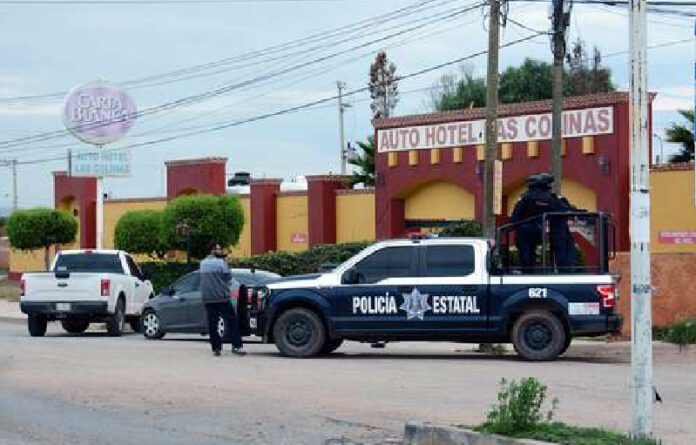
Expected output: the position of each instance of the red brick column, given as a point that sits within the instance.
(204, 176)
(84, 191)
(321, 207)
(263, 215)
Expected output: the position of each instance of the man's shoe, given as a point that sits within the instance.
(216, 353)
(238, 351)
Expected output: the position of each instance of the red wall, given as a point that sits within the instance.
(84, 191)
(612, 189)
(206, 176)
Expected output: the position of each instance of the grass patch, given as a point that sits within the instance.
(491, 348)
(682, 333)
(561, 433)
(9, 290)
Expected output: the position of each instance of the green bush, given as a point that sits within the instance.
(41, 228)
(208, 218)
(682, 333)
(519, 407)
(138, 231)
(284, 263)
(463, 229)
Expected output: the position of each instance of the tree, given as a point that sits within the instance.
(681, 134)
(206, 219)
(41, 228)
(139, 231)
(533, 80)
(455, 93)
(383, 86)
(365, 163)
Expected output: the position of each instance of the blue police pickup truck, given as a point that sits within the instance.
(440, 289)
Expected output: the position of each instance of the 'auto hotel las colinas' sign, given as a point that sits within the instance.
(532, 127)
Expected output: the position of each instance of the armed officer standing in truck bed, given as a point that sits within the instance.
(537, 200)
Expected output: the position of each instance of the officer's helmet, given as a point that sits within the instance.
(546, 180)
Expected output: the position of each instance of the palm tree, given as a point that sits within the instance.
(683, 135)
(365, 163)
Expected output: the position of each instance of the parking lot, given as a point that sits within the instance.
(95, 389)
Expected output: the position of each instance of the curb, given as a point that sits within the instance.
(416, 433)
(13, 320)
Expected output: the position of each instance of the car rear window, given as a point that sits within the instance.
(90, 262)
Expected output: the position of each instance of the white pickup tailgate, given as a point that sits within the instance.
(78, 287)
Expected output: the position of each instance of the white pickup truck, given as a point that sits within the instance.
(85, 286)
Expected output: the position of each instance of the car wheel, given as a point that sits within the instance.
(37, 325)
(75, 325)
(566, 345)
(151, 325)
(538, 336)
(116, 323)
(299, 332)
(330, 346)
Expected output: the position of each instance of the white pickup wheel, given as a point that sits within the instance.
(116, 323)
(37, 325)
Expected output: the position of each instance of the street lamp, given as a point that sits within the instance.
(662, 148)
(183, 229)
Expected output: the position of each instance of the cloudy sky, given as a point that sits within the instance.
(47, 49)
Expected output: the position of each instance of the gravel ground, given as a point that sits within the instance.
(93, 389)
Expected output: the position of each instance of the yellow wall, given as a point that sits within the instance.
(440, 200)
(243, 247)
(72, 207)
(355, 217)
(28, 261)
(672, 207)
(578, 195)
(291, 214)
(114, 210)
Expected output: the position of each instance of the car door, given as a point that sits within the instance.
(174, 309)
(455, 286)
(375, 302)
(140, 290)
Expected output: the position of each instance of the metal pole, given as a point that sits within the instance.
(491, 117)
(342, 138)
(641, 286)
(100, 209)
(559, 26)
(14, 186)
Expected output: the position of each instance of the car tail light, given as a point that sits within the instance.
(234, 293)
(105, 287)
(608, 295)
(22, 287)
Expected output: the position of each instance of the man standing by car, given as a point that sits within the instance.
(215, 293)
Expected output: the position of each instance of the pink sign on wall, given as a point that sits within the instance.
(678, 237)
(298, 238)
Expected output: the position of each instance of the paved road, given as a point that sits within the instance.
(93, 389)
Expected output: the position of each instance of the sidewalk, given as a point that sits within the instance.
(9, 311)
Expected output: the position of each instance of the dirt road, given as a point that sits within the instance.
(96, 389)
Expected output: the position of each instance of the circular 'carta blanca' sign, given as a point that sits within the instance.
(99, 113)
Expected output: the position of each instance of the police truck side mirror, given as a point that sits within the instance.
(350, 276)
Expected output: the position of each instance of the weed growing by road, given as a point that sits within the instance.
(682, 333)
(9, 290)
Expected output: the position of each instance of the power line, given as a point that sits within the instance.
(189, 100)
(157, 2)
(398, 13)
(294, 109)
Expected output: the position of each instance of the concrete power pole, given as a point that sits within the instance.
(560, 20)
(491, 117)
(342, 138)
(641, 284)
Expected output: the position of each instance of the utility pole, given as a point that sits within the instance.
(491, 117)
(560, 21)
(641, 284)
(12, 163)
(342, 138)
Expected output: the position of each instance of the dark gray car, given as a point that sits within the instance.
(178, 308)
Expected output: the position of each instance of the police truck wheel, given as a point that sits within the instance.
(116, 323)
(37, 325)
(566, 345)
(538, 336)
(330, 346)
(299, 332)
(75, 325)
